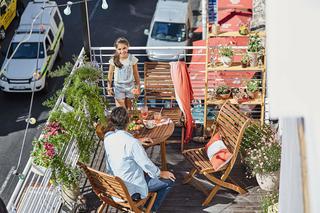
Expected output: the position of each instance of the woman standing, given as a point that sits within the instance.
(124, 69)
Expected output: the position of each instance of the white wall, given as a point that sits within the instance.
(293, 63)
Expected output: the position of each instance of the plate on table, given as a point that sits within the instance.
(149, 124)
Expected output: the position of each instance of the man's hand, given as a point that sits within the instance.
(167, 175)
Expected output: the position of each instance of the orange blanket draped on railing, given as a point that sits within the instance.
(184, 93)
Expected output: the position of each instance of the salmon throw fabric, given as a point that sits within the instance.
(184, 93)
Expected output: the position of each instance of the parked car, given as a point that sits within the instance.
(8, 11)
(171, 25)
(26, 69)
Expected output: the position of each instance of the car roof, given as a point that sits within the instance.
(172, 11)
(33, 9)
(35, 37)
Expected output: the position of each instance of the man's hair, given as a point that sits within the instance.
(119, 118)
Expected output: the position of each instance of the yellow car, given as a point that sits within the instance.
(8, 11)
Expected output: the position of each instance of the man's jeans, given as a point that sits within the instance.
(161, 186)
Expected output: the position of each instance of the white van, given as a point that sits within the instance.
(171, 25)
(34, 58)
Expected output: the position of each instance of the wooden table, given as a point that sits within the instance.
(159, 136)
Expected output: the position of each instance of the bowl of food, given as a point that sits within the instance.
(150, 124)
(135, 126)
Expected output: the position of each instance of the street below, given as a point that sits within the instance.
(122, 18)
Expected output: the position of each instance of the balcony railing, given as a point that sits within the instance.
(35, 193)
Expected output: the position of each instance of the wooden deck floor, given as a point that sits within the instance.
(187, 198)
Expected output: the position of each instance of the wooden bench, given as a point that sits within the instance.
(158, 86)
(107, 186)
(230, 124)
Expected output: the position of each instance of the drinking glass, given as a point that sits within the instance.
(157, 117)
(144, 112)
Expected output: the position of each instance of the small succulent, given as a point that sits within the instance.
(223, 89)
(225, 51)
(253, 85)
(245, 59)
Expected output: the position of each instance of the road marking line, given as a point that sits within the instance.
(6, 180)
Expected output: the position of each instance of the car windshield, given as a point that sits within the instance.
(169, 31)
(27, 50)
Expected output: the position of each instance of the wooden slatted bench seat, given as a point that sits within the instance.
(158, 87)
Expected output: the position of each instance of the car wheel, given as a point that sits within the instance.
(45, 89)
(2, 33)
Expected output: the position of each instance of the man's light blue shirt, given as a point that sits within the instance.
(127, 159)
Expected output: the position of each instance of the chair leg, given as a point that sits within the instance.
(101, 208)
(189, 176)
(182, 138)
(163, 156)
(211, 195)
(151, 202)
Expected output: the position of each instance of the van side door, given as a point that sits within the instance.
(51, 54)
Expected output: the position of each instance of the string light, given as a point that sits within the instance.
(104, 4)
(67, 10)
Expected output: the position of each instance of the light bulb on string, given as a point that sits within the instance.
(104, 4)
(31, 120)
(67, 10)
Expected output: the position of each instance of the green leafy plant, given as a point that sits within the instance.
(262, 149)
(243, 29)
(64, 174)
(255, 43)
(253, 85)
(225, 51)
(269, 200)
(245, 59)
(87, 106)
(222, 89)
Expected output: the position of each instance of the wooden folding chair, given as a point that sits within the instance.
(158, 85)
(230, 124)
(107, 186)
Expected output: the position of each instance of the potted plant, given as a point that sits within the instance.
(68, 178)
(243, 29)
(226, 54)
(262, 156)
(269, 202)
(252, 88)
(254, 49)
(245, 61)
(47, 147)
(223, 91)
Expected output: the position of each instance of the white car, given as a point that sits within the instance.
(171, 25)
(28, 67)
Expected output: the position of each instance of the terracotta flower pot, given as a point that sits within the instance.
(225, 96)
(253, 95)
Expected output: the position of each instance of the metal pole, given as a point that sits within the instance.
(204, 8)
(86, 28)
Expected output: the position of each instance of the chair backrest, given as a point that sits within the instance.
(158, 83)
(106, 185)
(231, 124)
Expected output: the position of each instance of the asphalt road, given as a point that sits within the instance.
(123, 18)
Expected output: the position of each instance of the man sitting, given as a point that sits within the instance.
(127, 159)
